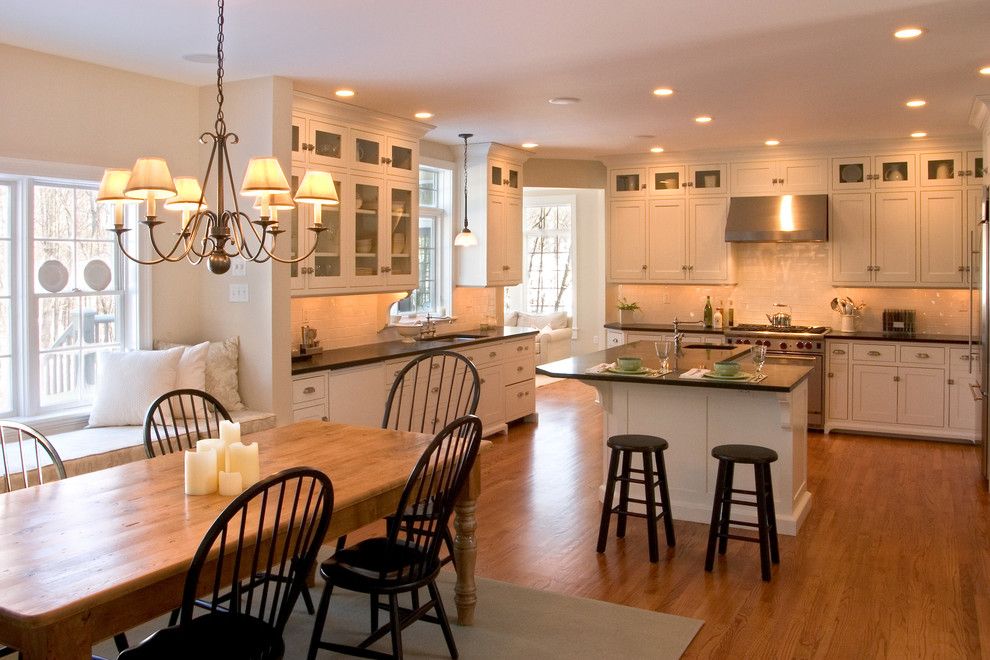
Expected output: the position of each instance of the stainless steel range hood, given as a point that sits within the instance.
(777, 219)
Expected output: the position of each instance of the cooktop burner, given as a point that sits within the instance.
(791, 329)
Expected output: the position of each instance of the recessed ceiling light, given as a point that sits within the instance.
(985, 71)
(656, 150)
(201, 58)
(529, 145)
(344, 93)
(423, 115)
(919, 134)
(915, 103)
(564, 100)
(772, 143)
(909, 32)
(663, 91)
(703, 119)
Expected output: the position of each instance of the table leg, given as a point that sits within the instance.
(466, 548)
(69, 640)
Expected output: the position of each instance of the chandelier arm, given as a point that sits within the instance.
(120, 245)
(175, 246)
(234, 219)
(210, 218)
(301, 258)
(239, 235)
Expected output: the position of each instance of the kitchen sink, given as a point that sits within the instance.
(452, 338)
(717, 347)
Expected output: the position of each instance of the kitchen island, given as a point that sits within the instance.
(696, 414)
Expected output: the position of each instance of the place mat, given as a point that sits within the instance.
(609, 368)
(741, 376)
(697, 373)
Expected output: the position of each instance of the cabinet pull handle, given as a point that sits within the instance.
(492, 354)
(482, 381)
(520, 348)
(520, 395)
(952, 382)
(977, 392)
(434, 390)
(876, 269)
(838, 351)
(309, 390)
(519, 368)
(325, 418)
(690, 267)
(962, 269)
(644, 266)
(966, 357)
(923, 356)
(874, 353)
(897, 379)
(831, 375)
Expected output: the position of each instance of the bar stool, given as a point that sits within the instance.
(760, 458)
(654, 474)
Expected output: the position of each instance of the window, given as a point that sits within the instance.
(547, 257)
(432, 296)
(63, 293)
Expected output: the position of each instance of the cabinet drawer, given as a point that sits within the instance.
(317, 411)
(312, 388)
(614, 338)
(484, 355)
(514, 371)
(923, 355)
(874, 352)
(838, 353)
(520, 400)
(519, 348)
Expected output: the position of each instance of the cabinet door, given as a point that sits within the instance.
(837, 383)
(895, 237)
(327, 263)
(942, 169)
(708, 179)
(941, 237)
(853, 173)
(298, 240)
(495, 238)
(976, 172)
(317, 411)
(963, 409)
(667, 181)
(403, 234)
(300, 146)
(513, 241)
(369, 257)
(357, 395)
(802, 176)
(614, 338)
(974, 212)
(627, 240)
(895, 171)
(753, 178)
(921, 396)
(874, 393)
(668, 240)
(326, 144)
(504, 177)
(369, 152)
(491, 402)
(851, 238)
(707, 250)
(628, 183)
(403, 158)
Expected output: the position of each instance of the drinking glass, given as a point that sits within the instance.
(663, 349)
(759, 357)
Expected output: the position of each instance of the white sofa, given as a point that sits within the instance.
(554, 339)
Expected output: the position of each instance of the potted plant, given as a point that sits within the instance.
(626, 310)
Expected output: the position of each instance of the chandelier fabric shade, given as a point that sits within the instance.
(317, 188)
(188, 195)
(264, 177)
(112, 188)
(150, 179)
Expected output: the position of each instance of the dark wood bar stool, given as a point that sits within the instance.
(760, 458)
(654, 475)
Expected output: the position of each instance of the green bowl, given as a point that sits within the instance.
(629, 363)
(727, 368)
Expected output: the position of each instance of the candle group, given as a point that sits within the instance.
(223, 463)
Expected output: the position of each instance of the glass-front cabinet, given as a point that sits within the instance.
(853, 173)
(941, 169)
(324, 268)
(976, 171)
(367, 246)
(369, 151)
(708, 179)
(317, 142)
(665, 181)
(504, 177)
(896, 171)
(628, 183)
(403, 233)
(402, 160)
(865, 172)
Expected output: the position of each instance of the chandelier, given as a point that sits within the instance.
(221, 234)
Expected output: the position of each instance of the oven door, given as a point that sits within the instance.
(816, 381)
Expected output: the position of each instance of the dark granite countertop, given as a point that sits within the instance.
(353, 356)
(664, 327)
(780, 378)
(886, 336)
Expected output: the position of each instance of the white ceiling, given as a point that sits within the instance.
(803, 71)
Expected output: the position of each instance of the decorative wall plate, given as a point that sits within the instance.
(53, 276)
(97, 275)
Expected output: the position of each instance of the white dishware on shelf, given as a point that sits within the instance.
(364, 245)
(851, 173)
(398, 243)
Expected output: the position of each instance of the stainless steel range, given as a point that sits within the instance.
(792, 344)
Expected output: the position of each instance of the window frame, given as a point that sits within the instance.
(520, 295)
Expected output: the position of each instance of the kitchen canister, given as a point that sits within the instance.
(848, 323)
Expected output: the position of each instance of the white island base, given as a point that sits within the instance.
(695, 419)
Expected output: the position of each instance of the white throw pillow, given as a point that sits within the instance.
(546, 330)
(127, 383)
(192, 367)
(221, 371)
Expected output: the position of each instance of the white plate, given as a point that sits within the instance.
(636, 372)
(851, 173)
(53, 276)
(97, 275)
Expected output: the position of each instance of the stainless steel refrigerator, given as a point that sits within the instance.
(981, 266)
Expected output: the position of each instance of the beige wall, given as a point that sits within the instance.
(561, 173)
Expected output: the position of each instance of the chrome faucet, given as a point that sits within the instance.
(429, 329)
(679, 336)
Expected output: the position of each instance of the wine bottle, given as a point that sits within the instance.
(730, 319)
(708, 311)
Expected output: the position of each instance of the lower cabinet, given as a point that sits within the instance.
(309, 397)
(906, 388)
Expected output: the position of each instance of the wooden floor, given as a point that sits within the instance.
(893, 561)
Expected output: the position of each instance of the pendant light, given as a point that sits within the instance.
(466, 238)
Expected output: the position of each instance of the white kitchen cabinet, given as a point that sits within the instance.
(942, 242)
(895, 238)
(614, 338)
(667, 240)
(894, 171)
(667, 181)
(964, 372)
(491, 404)
(921, 396)
(942, 169)
(681, 180)
(874, 393)
(868, 172)
(837, 382)
(769, 177)
(976, 172)
(325, 270)
(852, 238)
(709, 256)
(708, 179)
(628, 240)
(309, 397)
(852, 173)
(495, 215)
(628, 183)
(318, 142)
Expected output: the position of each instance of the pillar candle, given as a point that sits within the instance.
(218, 447)
(230, 483)
(201, 472)
(230, 432)
(244, 459)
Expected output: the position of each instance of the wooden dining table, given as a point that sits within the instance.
(84, 558)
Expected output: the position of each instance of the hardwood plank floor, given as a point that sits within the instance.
(893, 561)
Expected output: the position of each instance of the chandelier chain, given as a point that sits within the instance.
(220, 124)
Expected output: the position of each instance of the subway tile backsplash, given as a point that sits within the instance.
(796, 274)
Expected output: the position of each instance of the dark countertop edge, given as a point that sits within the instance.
(663, 327)
(343, 358)
(916, 337)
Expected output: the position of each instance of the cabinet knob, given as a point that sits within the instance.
(876, 269)
(519, 368)
(505, 268)
(690, 267)
(923, 356)
(838, 351)
(482, 381)
(325, 418)
(966, 357)
(873, 353)
(434, 390)
(952, 382)
(831, 375)
(492, 354)
(309, 390)
(684, 267)
(897, 379)
(644, 266)
(962, 269)
(520, 348)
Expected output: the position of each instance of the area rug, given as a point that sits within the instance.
(510, 622)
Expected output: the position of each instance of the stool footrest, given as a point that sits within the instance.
(630, 480)
(744, 502)
(743, 492)
(743, 523)
(636, 514)
(739, 537)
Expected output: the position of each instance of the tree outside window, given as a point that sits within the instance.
(547, 255)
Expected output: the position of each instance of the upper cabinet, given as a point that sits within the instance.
(942, 169)
(880, 172)
(976, 170)
(775, 177)
(495, 214)
(633, 183)
(369, 244)
(680, 180)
